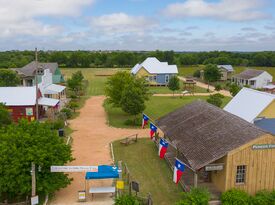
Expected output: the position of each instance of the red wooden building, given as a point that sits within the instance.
(21, 102)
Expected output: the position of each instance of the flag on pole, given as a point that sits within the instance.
(153, 130)
(145, 119)
(178, 170)
(163, 145)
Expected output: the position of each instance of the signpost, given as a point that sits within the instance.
(263, 146)
(74, 168)
(34, 200)
(214, 167)
(135, 186)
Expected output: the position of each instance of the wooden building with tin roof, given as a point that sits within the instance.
(221, 150)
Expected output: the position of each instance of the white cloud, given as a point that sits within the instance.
(233, 10)
(20, 16)
(121, 23)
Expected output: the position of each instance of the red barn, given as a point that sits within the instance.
(21, 102)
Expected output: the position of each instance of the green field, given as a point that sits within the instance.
(153, 174)
(166, 90)
(189, 70)
(156, 107)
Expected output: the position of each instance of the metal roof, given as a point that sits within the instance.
(154, 66)
(249, 103)
(48, 101)
(54, 89)
(18, 96)
(266, 124)
(227, 67)
(203, 133)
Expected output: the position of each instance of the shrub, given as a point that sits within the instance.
(196, 196)
(234, 89)
(126, 200)
(73, 105)
(218, 87)
(235, 197)
(197, 74)
(263, 198)
(215, 99)
(68, 112)
(57, 124)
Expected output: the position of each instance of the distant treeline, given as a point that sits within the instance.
(73, 59)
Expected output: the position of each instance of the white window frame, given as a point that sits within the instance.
(241, 174)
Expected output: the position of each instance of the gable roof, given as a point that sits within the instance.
(18, 96)
(249, 103)
(229, 68)
(154, 66)
(249, 73)
(204, 133)
(29, 69)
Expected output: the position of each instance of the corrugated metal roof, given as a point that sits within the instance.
(18, 96)
(266, 124)
(227, 67)
(204, 133)
(48, 101)
(249, 103)
(54, 89)
(154, 66)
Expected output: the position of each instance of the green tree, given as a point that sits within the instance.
(5, 117)
(8, 78)
(24, 143)
(215, 99)
(75, 82)
(234, 89)
(174, 84)
(212, 73)
(133, 98)
(115, 86)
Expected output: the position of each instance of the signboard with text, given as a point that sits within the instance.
(263, 146)
(74, 168)
(34, 200)
(214, 167)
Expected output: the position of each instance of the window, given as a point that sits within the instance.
(240, 175)
(155, 78)
(252, 82)
(167, 78)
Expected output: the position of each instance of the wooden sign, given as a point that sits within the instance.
(263, 146)
(74, 168)
(214, 167)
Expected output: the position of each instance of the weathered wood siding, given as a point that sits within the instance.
(218, 177)
(269, 112)
(260, 170)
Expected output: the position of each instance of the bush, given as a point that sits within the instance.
(234, 89)
(196, 196)
(263, 198)
(215, 99)
(197, 74)
(127, 200)
(57, 124)
(73, 105)
(68, 112)
(235, 197)
(218, 87)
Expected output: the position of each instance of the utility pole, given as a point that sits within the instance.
(36, 85)
(33, 180)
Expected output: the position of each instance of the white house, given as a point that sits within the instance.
(252, 105)
(253, 78)
(154, 71)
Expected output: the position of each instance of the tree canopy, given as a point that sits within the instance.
(8, 78)
(5, 117)
(174, 84)
(24, 143)
(212, 73)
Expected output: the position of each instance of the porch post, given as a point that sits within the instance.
(195, 179)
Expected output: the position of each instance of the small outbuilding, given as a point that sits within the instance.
(226, 71)
(221, 151)
(154, 71)
(252, 78)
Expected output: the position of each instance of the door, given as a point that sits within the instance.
(167, 78)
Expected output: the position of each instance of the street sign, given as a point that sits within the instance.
(34, 200)
(74, 168)
(214, 167)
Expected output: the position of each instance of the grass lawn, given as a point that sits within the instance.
(95, 76)
(153, 174)
(156, 107)
(166, 90)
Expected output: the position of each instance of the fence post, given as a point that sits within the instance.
(149, 200)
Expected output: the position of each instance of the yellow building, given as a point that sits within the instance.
(221, 151)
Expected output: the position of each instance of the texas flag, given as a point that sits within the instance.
(163, 145)
(178, 171)
(145, 119)
(153, 130)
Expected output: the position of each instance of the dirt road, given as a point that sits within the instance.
(91, 138)
(211, 88)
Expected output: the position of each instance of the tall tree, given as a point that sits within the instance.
(24, 143)
(174, 84)
(5, 117)
(8, 78)
(212, 73)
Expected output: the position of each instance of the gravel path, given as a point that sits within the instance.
(91, 138)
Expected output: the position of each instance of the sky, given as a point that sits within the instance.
(180, 25)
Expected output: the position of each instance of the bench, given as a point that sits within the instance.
(102, 190)
(129, 140)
